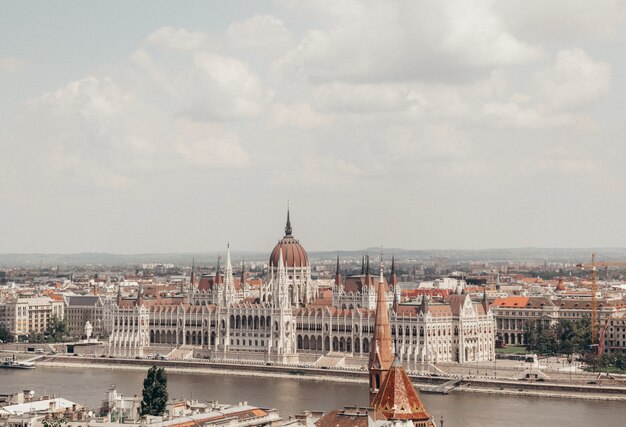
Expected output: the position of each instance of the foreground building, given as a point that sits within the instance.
(393, 399)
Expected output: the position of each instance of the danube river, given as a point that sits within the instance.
(291, 396)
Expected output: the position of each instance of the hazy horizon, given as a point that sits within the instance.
(161, 127)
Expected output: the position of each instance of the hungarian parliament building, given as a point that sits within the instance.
(291, 318)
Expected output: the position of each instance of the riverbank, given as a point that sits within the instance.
(424, 383)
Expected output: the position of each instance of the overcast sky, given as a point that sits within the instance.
(180, 126)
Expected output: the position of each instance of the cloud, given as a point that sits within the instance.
(208, 145)
(573, 80)
(11, 64)
(233, 90)
(369, 42)
(361, 98)
(259, 32)
(564, 21)
(97, 133)
(177, 38)
(344, 103)
(202, 84)
(299, 115)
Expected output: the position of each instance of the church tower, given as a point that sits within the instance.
(381, 356)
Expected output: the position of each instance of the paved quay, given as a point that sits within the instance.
(554, 389)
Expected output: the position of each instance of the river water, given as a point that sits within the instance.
(291, 396)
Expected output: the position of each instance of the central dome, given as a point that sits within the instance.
(294, 254)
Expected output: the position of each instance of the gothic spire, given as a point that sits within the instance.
(139, 295)
(193, 273)
(424, 304)
(288, 225)
(393, 278)
(217, 271)
(337, 274)
(228, 274)
(363, 264)
(243, 272)
(484, 301)
(381, 355)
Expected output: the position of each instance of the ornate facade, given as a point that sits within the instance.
(288, 322)
(129, 324)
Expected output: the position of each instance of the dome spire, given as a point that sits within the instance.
(288, 225)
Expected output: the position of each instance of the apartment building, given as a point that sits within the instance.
(22, 316)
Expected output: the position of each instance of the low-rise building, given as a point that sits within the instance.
(23, 316)
(614, 336)
(515, 312)
(80, 309)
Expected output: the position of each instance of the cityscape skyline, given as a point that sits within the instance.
(423, 126)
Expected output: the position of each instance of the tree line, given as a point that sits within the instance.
(563, 337)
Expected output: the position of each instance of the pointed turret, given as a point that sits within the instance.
(282, 271)
(393, 279)
(218, 279)
(381, 355)
(362, 264)
(139, 301)
(193, 273)
(288, 225)
(244, 275)
(228, 274)
(282, 286)
(424, 304)
(229, 281)
(484, 301)
(338, 280)
(396, 302)
(119, 295)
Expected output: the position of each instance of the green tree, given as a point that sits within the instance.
(547, 341)
(154, 392)
(581, 338)
(54, 422)
(530, 331)
(57, 329)
(4, 334)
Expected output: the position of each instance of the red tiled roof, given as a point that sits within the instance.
(397, 398)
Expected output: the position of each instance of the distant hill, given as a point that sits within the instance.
(567, 255)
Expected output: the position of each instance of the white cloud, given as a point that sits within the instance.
(208, 145)
(177, 38)
(201, 84)
(445, 101)
(564, 21)
(260, 31)
(573, 80)
(406, 40)
(228, 88)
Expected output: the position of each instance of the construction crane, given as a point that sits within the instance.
(594, 289)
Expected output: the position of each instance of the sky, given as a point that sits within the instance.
(160, 126)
